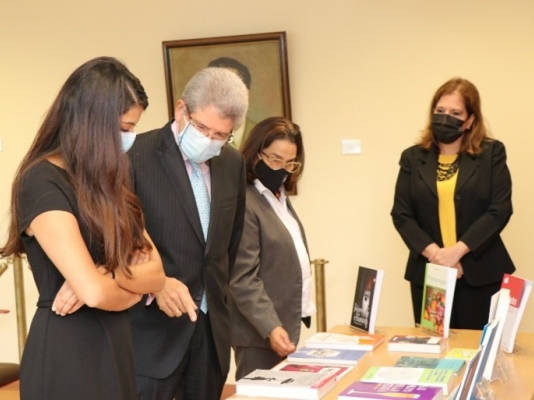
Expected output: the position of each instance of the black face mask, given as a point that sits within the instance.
(446, 128)
(271, 179)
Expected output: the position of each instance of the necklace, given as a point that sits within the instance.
(447, 171)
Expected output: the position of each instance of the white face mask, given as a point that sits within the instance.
(128, 139)
(197, 147)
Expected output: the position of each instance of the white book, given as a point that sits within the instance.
(324, 356)
(366, 297)
(438, 294)
(488, 338)
(501, 299)
(285, 384)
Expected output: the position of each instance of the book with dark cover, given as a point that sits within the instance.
(366, 296)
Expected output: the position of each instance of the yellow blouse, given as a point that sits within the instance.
(447, 214)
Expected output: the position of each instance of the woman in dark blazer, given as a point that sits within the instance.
(271, 279)
(453, 198)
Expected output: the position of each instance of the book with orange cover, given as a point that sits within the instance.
(327, 340)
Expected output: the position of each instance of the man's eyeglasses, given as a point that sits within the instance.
(277, 163)
(208, 132)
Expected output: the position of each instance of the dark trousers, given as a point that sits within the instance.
(198, 375)
(470, 308)
(248, 359)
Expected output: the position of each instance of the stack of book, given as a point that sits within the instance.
(417, 344)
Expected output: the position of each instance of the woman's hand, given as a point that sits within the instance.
(280, 342)
(66, 301)
(450, 256)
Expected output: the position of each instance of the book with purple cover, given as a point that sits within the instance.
(387, 391)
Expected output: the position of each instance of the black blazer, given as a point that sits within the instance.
(162, 184)
(483, 206)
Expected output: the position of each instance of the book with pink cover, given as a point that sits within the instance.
(388, 391)
(338, 371)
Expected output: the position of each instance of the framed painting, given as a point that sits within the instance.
(259, 59)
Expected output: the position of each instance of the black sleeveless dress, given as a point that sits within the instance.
(86, 355)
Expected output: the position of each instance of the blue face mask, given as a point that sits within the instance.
(197, 147)
(128, 139)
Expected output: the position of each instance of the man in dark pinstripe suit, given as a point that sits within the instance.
(182, 337)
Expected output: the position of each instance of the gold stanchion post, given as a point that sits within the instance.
(20, 303)
(320, 297)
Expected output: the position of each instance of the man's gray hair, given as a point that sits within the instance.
(220, 88)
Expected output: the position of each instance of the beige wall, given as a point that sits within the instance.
(358, 69)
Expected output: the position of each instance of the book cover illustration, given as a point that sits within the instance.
(366, 296)
(384, 391)
(438, 293)
(442, 378)
(454, 364)
(326, 356)
(343, 341)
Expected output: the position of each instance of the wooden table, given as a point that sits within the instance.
(519, 386)
(10, 392)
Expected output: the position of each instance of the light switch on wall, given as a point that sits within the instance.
(351, 146)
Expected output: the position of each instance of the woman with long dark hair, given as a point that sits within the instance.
(73, 214)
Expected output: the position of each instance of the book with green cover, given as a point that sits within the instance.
(438, 293)
(453, 364)
(442, 378)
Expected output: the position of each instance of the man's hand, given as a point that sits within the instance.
(175, 300)
(280, 342)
